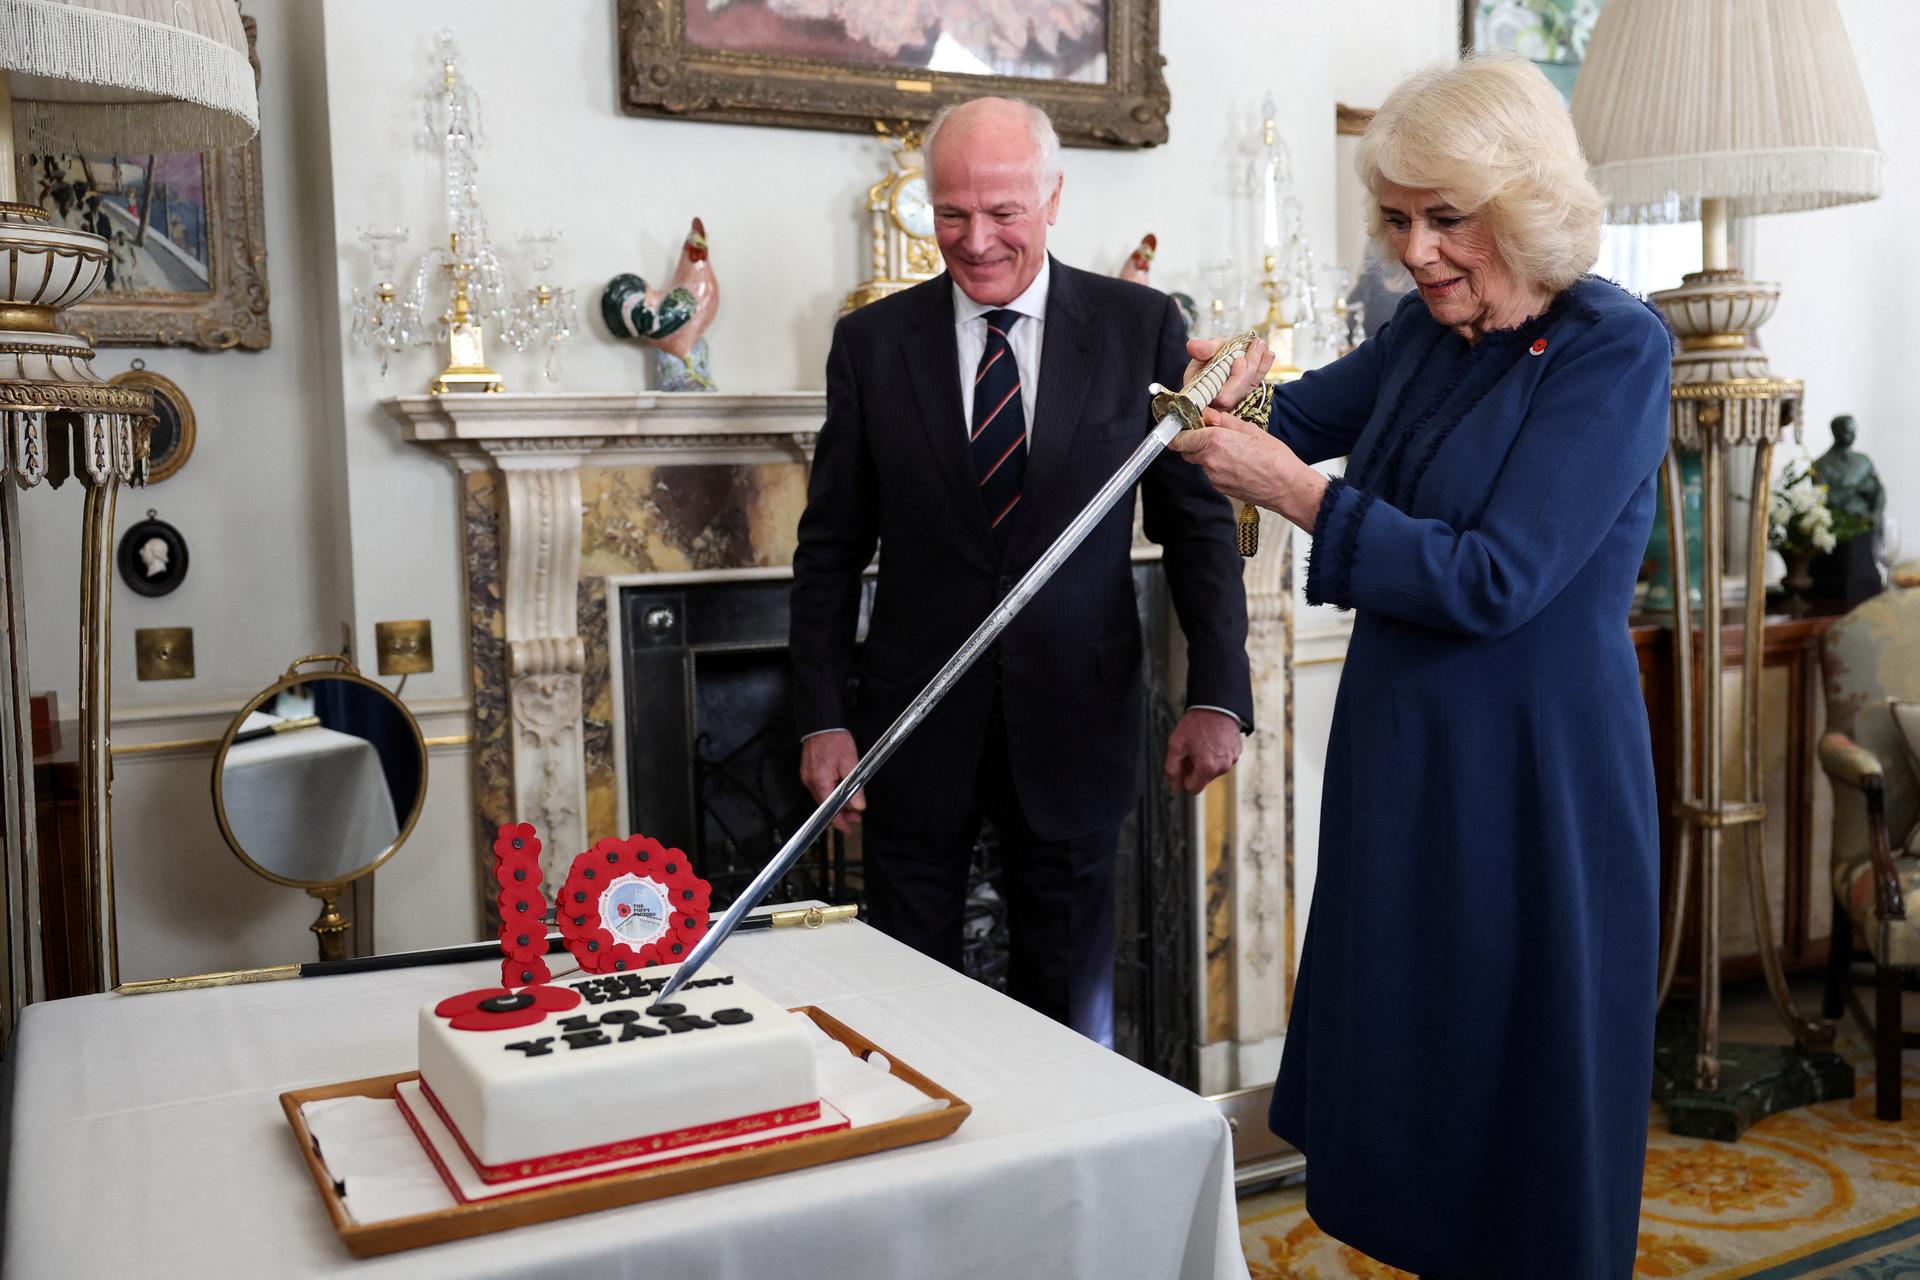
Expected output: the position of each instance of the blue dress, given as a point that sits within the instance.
(1469, 1058)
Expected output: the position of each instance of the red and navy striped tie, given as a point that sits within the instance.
(999, 439)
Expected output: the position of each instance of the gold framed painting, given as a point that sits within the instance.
(1093, 65)
(187, 261)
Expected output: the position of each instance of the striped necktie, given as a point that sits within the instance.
(999, 441)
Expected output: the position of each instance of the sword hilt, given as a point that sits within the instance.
(1186, 404)
(1188, 401)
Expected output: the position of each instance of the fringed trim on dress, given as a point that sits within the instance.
(1329, 499)
(1330, 569)
(1362, 468)
(1390, 475)
(1524, 335)
(1349, 545)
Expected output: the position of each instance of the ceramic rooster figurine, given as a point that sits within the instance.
(1140, 259)
(673, 321)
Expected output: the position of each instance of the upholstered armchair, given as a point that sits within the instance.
(1872, 665)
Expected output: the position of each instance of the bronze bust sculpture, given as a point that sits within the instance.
(1853, 486)
(1858, 500)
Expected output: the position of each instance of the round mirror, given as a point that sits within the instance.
(318, 780)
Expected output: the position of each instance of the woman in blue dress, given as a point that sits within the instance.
(1469, 1058)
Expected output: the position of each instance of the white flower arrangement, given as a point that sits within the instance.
(1799, 520)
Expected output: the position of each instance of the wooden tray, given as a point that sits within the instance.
(544, 1204)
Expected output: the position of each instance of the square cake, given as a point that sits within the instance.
(529, 1088)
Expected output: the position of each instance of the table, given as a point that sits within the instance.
(162, 1112)
(1794, 834)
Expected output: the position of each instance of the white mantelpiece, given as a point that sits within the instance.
(538, 443)
(614, 428)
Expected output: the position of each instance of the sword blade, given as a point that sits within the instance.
(1196, 395)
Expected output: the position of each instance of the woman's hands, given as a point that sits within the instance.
(1247, 369)
(1243, 461)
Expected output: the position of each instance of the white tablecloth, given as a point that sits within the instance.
(312, 804)
(147, 1140)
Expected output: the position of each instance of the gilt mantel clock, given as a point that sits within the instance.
(900, 219)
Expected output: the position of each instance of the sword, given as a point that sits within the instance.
(1173, 412)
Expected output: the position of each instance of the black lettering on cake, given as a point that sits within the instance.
(576, 1023)
(595, 995)
(586, 1039)
(730, 1017)
(665, 1010)
(639, 1031)
(533, 1048)
(614, 1017)
(678, 1022)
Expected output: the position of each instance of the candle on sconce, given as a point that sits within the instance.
(1270, 176)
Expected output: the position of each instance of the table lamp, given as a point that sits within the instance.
(1715, 108)
(90, 77)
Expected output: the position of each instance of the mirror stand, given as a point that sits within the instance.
(330, 926)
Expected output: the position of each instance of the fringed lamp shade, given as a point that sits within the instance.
(122, 75)
(1757, 102)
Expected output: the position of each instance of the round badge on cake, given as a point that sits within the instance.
(632, 903)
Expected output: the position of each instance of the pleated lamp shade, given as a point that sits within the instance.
(1757, 102)
(113, 75)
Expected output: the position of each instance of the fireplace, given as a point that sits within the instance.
(710, 750)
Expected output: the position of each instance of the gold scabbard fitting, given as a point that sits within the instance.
(813, 917)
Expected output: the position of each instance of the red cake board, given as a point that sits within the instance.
(466, 1182)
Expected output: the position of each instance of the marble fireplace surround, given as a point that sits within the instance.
(565, 496)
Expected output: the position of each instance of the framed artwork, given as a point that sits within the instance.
(187, 262)
(1093, 65)
(152, 557)
(1552, 33)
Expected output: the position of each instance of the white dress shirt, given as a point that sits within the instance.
(970, 329)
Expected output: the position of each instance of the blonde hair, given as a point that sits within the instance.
(1491, 134)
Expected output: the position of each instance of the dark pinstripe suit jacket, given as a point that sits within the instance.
(892, 468)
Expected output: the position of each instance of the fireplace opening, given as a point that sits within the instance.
(711, 751)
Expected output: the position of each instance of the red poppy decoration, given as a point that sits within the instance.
(632, 903)
(498, 1009)
(523, 942)
(1539, 347)
(516, 972)
(522, 902)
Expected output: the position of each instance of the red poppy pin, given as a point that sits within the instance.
(1539, 347)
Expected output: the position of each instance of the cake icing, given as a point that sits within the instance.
(612, 1073)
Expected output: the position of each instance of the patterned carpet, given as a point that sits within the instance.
(1826, 1191)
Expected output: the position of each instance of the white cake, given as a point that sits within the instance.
(617, 1075)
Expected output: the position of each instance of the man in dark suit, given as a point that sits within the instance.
(968, 420)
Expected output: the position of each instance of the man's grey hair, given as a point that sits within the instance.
(1046, 143)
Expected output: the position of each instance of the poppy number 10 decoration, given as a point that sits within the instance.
(628, 903)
